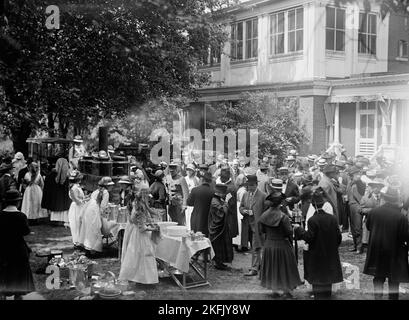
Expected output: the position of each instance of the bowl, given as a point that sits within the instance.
(111, 293)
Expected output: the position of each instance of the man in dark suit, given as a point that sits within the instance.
(387, 255)
(290, 189)
(323, 237)
(327, 183)
(252, 207)
(200, 199)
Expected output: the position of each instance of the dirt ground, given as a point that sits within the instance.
(230, 284)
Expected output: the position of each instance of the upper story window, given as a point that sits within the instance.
(367, 33)
(403, 49)
(335, 29)
(212, 57)
(287, 31)
(244, 39)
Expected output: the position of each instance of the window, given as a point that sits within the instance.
(403, 49)
(335, 29)
(244, 32)
(212, 56)
(367, 33)
(287, 31)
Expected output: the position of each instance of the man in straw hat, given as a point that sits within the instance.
(370, 200)
(290, 189)
(251, 207)
(387, 255)
(125, 184)
(219, 232)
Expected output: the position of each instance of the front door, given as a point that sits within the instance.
(366, 128)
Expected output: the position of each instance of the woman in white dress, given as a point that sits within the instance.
(192, 181)
(92, 222)
(77, 205)
(241, 185)
(138, 263)
(31, 205)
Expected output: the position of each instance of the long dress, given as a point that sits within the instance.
(240, 193)
(75, 212)
(15, 271)
(278, 265)
(33, 194)
(90, 231)
(191, 183)
(56, 198)
(138, 263)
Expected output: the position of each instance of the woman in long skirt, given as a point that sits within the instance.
(279, 270)
(56, 193)
(33, 194)
(92, 223)
(15, 272)
(77, 206)
(138, 263)
(240, 183)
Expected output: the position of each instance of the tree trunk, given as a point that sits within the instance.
(19, 137)
(50, 124)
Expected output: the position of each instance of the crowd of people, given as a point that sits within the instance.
(239, 208)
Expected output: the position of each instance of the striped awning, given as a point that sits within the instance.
(353, 99)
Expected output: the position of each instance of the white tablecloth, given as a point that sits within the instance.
(178, 251)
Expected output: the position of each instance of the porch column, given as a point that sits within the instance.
(336, 124)
(394, 123)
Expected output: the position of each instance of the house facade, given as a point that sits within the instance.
(346, 64)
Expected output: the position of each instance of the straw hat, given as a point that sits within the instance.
(19, 156)
(78, 139)
(12, 195)
(125, 180)
(190, 166)
(277, 184)
(106, 181)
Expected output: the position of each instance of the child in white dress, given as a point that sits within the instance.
(138, 263)
(77, 205)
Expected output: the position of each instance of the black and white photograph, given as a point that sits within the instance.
(215, 151)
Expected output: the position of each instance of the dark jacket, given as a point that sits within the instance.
(55, 195)
(258, 206)
(15, 272)
(323, 237)
(387, 251)
(7, 182)
(200, 199)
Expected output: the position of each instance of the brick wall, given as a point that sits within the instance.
(319, 142)
(398, 30)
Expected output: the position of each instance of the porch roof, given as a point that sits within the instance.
(356, 98)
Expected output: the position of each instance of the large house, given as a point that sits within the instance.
(347, 65)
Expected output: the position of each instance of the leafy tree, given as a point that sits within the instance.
(107, 58)
(275, 118)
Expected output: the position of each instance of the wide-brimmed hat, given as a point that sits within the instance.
(78, 139)
(340, 164)
(371, 174)
(125, 180)
(312, 157)
(390, 194)
(19, 156)
(322, 162)
(251, 180)
(220, 189)
(190, 166)
(293, 152)
(106, 181)
(203, 166)
(159, 174)
(290, 158)
(277, 184)
(329, 169)
(353, 170)
(173, 165)
(275, 196)
(376, 182)
(12, 195)
(283, 170)
(103, 154)
(327, 156)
